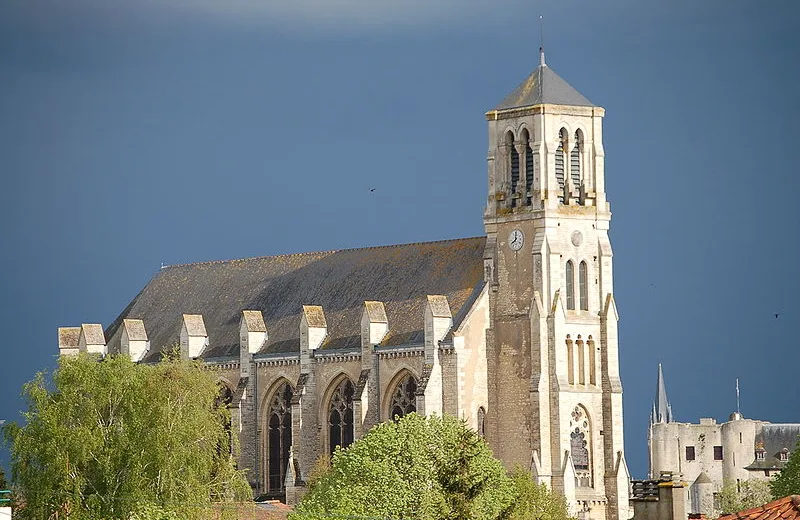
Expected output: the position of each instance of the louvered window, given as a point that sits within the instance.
(583, 288)
(514, 171)
(570, 285)
(575, 168)
(528, 169)
(562, 141)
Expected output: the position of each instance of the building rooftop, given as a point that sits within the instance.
(787, 508)
(400, 276)
(543, 86)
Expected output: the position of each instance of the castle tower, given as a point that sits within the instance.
(555, 392)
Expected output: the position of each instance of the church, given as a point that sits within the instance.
(515, 331)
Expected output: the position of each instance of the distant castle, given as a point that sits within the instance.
(514, 331)
(707, 455)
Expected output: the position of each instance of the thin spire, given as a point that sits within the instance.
(662, 411)
(738, 411)
(541, 42)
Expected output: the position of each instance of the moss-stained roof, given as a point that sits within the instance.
(136, 330)
(68, 337)
(400, 276)
(543, 86)
(93, 334)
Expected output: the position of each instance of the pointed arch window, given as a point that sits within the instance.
(583, 286)
(560, 150)
(575, 158)
(340, 416)
(224, 399)
(482, 422)
(580, 446)
(570, 274)
(404, 398)
(279, 436)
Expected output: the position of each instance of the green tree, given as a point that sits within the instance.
(114, 437)
(3, 483)
(788, 480)
(534, 501)
(738, 496)
(433, 468)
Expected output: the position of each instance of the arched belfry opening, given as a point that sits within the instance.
(527, 139)
(513, 168)
(576, 166)
(563, 146)
(279, 436)
(340, 415)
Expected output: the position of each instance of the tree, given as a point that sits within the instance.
(3, 483)
(534, 501)
(417, 467)
(788, 480)
(738, 496)
(113, 437)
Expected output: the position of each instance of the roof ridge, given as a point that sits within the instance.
(309, 253)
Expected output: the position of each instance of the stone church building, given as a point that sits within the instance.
(514, 331)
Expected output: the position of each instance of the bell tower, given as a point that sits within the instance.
(555, 393)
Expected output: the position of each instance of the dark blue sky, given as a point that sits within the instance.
(177, 131)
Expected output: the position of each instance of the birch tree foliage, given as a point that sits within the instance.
(110, 437)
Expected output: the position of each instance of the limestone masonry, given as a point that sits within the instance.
(515, 331)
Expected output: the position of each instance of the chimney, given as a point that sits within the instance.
(252, 336)
(134, 342)
(313, 330)
(194, 338)
(92, 339)
(68, 338)
(374, 327)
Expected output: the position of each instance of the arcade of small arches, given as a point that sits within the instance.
(581, 361)
(569, 166)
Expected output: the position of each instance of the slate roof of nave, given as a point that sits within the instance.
(340, 281)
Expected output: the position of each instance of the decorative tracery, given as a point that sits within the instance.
(340, 415)
(279, 437)
(580, 446)
(404, 399)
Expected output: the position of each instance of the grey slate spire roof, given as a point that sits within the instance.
(543, 86)
(662, 411)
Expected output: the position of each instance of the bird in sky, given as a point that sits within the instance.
(372, 189)
(777, 314)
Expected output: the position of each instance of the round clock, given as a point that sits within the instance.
(515, 239)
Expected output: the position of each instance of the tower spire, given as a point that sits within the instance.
(541, 42)
(662, 411)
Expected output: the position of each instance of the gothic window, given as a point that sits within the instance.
(570, 273)
(575, 163)
(404, 398)
(562, 146)
(340, 416)
(481, 422)
(224, 399)
(279, 436)
(583, 288)
(580, 446)
(570, 361)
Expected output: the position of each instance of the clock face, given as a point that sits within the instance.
(515, 239)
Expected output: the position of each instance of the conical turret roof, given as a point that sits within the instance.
(543, 86)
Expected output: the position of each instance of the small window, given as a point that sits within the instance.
(717, 452)
(760, 454)
(689, 452)
(784, 455)
(766, 472)
(481, 422)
